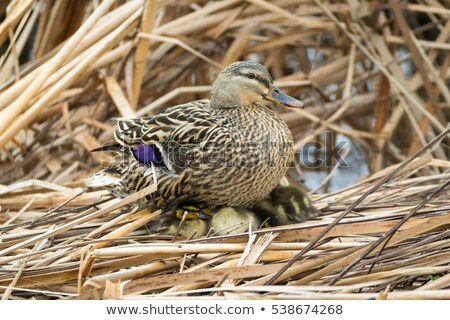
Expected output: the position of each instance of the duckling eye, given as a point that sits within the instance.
(251, 76)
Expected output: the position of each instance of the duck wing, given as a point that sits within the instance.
(176, 133)
(182, 123)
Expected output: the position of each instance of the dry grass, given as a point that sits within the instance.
(376, 72)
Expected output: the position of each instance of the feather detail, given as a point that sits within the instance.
(172, 124)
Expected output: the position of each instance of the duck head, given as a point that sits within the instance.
(246, 83)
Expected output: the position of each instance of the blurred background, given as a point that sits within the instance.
(374, 76)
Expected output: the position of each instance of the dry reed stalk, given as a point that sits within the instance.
(27, 117)
(53, 199)
(16, 107)
(140, 55)
(181, 44)
(119, 232)
(155, 249)
(15, 13)
(148, 190)
(134, 273)
(78, 54)
(17, 44)
(119, 98)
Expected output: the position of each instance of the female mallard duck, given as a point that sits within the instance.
(286, 204)
(232, 150)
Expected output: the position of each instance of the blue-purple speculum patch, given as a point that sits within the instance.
(145, 153)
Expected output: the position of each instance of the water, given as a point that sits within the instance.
(351, 170)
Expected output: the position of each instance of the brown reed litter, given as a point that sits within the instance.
(375, 72)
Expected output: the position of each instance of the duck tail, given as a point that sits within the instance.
(112, 147)
(101, 179)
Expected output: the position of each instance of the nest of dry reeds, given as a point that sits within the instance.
(376, 73)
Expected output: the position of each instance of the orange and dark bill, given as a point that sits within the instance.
(279, 97)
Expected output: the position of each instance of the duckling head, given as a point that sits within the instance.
(245, 83)
(193, 210)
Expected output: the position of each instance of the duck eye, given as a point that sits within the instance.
(251, 76)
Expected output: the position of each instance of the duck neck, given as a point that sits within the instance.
(225, 95)
(224, 102)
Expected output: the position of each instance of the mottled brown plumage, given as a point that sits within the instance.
(232, 150)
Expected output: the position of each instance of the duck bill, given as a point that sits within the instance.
(204, 216)
(279, 97)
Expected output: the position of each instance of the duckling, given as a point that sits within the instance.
(286, 204)
(184, 142)
(193, 210)
(190, 228)
(233, 220)
(193, 226)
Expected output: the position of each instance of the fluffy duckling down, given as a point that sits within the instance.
(233, 220)
(286, 204)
